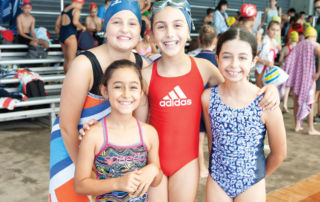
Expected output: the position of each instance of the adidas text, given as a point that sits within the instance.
(175, 103)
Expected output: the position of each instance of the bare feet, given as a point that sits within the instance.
(203, 172)
(298, 128)
(313, 132)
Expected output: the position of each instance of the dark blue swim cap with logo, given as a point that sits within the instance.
(116, 6)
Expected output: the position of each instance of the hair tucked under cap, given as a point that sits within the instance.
(116, 6)
(182, 5)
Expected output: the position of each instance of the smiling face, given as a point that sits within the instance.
(235, 60)
(123, 90)
(123, 31)
(170, 31)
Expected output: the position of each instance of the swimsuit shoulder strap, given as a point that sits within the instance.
(97, 72)
(140, 134)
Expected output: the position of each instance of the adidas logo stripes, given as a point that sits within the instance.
(175, 98)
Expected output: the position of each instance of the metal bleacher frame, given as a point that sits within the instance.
(52, 77)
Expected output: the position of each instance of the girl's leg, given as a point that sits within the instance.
(44, 43)
(183, 185)
(70, 51)
(295, 111)
(258, 79)
(160, 192)
(203, 168)
(285, 100)
(312, 130)
(215, 193)
(256, 193)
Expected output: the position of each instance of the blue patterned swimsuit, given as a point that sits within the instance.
(237, 159)
(114, 161)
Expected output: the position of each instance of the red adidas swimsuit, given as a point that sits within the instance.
(175, 109)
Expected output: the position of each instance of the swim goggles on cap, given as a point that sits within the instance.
(182, 5)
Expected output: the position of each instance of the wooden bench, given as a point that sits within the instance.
(52, 110)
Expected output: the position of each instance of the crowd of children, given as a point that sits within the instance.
(183, 98)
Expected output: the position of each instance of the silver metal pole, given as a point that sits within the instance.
(61, 5)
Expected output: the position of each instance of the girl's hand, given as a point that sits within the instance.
(130, 182)
(271, 99)
(316, 76)
(148, 173)
(86, 127)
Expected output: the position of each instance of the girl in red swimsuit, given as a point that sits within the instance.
(173, 86)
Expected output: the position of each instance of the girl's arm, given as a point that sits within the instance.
(265, 62)
(76, 18)
(84, 183)
(73, 94)
(317, 50)
(33, 24)
(209, 73)
(277, 139)
(271, 99)
(151, 173)
(205, 101)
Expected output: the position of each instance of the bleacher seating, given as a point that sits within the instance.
(52, 76)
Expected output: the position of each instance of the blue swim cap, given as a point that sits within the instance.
(116, 6)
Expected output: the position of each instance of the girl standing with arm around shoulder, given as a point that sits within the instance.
(237, 126)
(123, 150)
(174, 85)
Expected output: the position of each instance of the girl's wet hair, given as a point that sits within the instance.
(118, 64)
(237, 33)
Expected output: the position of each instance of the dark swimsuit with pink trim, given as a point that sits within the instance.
(114, 161)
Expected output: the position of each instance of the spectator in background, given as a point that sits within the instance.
(220, 16)
(25, 25)
(102, 9)
(248, 13)
(296, 25)
(93, 23)
(316, 5)
(144, 6)
(208, 19)
(69, 23)
(310, 19)
(285, 21)
(208, 40)
(303, 16)
(269, 13)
